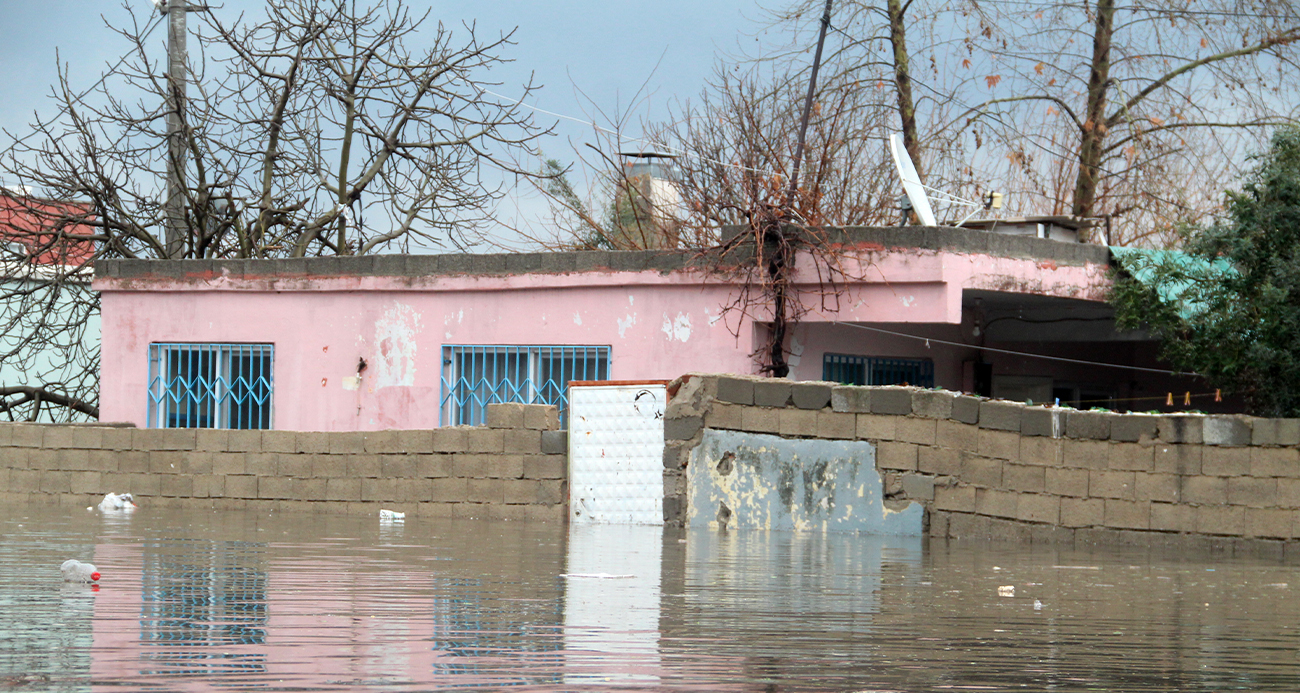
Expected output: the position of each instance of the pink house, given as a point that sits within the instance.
(363, 343)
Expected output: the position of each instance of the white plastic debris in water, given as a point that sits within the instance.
(117, 501)
(1007, 591)
(1038, 606)
(597, 576)
(392, 515)
(76, 571)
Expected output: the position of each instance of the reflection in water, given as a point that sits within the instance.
(195, 601)
(200, 599)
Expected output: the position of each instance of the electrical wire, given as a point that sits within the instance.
(1016, 353)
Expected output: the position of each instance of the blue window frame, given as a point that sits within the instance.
(211, 385)
(474, 376)
(868, 370)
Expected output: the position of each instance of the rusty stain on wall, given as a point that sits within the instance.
(757, 481)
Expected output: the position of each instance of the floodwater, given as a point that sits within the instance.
(240, 600)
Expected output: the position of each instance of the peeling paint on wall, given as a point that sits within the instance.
(577, 318)
(678, 328)
(395, 345)
(624, 323)
(757, 481)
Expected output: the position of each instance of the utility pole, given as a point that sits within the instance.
(174, 207)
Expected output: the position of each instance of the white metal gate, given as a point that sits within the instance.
(616, 451)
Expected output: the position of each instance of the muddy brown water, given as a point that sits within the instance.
(239, 600)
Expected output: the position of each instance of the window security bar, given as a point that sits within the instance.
(474, 376)
(211, 386)
(867, 370)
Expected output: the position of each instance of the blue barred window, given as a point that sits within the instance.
(476, 376)
(867, 370)
(210, 385)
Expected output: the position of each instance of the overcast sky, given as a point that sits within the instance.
(606, 48)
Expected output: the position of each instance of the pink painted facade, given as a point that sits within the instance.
(657, 323)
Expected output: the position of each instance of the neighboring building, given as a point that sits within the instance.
(362, 343)
(44, 283)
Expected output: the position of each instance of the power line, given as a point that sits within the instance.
(1062, 359)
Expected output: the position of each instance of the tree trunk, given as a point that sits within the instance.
(903, 84)
(1093, 137)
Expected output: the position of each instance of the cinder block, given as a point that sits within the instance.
(1131, 428)
(485, 491)
(801, 423)
(891, 400)
(166, 462)
(244, 486)
(1226, 430)
(891, 455)
(451, 439)
(760, 420)
(552, 492)
(87, 437)
(117, 438)
(1123, 514)
(411, 442)
(449, 490)
(397, 466)
(996, 503)
(966, 409)
(324, 466)
(1110, 484)
(505, 415)
(772, 392)
(1177, 459)
(918, 486)
(1000, 444)
(1288, 493)
(1024, 478)
(1221, 520)
(810, 395)
(1066, 482)
(850, 399)
(555, 442)
(1283, 462)
(981, 471)
(955, 498)
(313, 442)
(541, 417)
(1180, 429)
(954, 434)
(526, 441)
(485, 440)
(1204, 490)
(735, 390)
(932, 404)
(346, 442)
(836, 426)
(293, 466)
(1042, 421)
(432, 466)
(275, 488)
(361, 466)
(504, 467)
(57, 436)
(1156, 487)
(1085, 454)
(917, 430)
(1225, 461)
(940, 461)
(545, 467)
(1092, 425)
(1034, 507)
(279, 441)
(1132, 457)
(1268, 523)
(1044, 452)
(1252, 492)
(724, 416)
(1288, 431)
(877, 427)
(378, 490)
(87, 482)
(1263, 431)
(244, 441)
(1000, 416)
(378, 442)
(27, 435)
(225, 463)
(1173, 517)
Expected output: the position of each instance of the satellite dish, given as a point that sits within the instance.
(911, 182)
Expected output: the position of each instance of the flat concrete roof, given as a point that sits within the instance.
(880, 239)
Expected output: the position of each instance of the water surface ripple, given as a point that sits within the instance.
(195, 600)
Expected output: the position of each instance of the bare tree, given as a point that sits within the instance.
(311, 129)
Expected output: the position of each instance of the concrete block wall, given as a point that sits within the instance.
(1001, 469)
(513, 468)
